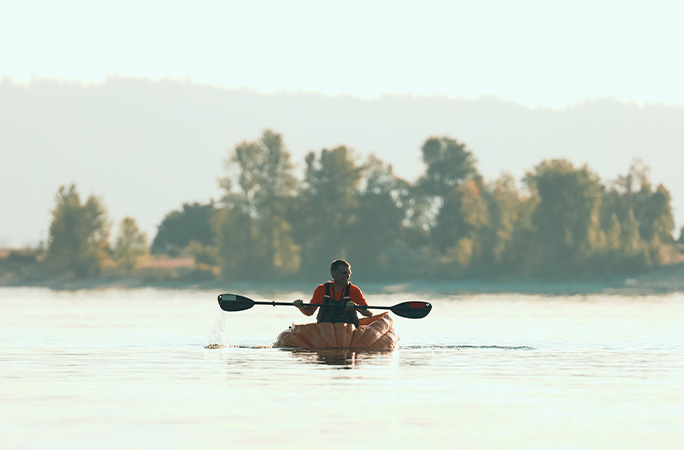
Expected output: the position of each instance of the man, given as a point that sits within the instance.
(340, 292)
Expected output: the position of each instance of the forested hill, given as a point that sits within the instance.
(146, 147)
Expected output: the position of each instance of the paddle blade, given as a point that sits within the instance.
(234, 302)
(412, 310)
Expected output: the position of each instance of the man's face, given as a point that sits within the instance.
(341, 275)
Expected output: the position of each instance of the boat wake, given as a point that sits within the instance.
(407, 347)
(466, 347)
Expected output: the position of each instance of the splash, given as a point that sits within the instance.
(216, 337)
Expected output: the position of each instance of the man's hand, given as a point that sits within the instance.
(352, 306)
(305, 309)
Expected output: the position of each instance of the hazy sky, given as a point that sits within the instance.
(536, 53)
(533, 52)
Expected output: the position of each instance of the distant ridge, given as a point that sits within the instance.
(148, 146)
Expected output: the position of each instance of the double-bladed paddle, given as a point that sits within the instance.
(410, 310)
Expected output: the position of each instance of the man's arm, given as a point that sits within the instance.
(317, 298)
(357, 297)
(306, 310)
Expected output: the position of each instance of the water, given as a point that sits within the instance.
(128, 369)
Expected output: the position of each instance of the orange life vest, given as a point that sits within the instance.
(335, 314)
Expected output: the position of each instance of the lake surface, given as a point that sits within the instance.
(112, 369)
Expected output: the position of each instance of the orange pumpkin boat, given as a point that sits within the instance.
(373, 333)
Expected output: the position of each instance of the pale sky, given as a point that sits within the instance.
(547, 53)
(532, 52)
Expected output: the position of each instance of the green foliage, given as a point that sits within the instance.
(253, 236)
(448, 163)
(191, 223)
(449, 224)
(205, 255)
(655, 214)
(450, 206)
(637, 222)
(79, 234)
(326, 208)
(464, 214)
(235, 241)
(130, 248)
(566, 218)
(651, 207)
(378, 217)
(504, 248)
(21, 265)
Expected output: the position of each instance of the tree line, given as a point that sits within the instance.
(562, 221)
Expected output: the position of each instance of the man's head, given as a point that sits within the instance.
(340, 271)
(338, 263)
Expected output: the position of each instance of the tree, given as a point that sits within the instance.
(79, 234)
(654, 213)
(450, 186)
(464, 215)
(652, 208)
(503, 238)
(645, 218)
(448, 163)
(327, 207)
(379, 219)
(566, 216)
(614, 235)
(179, 228)
(130, 247)
(252, 231)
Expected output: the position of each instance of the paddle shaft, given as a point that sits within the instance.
(410, 310)
(318, 304)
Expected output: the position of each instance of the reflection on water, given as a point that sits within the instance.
(481, 372)
(353, 358)
(334, 357)
(331, 357)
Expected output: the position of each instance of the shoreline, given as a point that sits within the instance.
(663, 280)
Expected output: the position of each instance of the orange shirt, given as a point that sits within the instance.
(355, 295)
